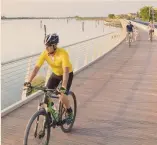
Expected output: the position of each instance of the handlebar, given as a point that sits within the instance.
(44, 89)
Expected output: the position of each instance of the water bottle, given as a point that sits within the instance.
(55, 111)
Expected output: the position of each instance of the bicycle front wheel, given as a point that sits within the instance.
(38, 129)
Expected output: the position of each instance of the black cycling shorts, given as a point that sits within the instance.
(54, 81)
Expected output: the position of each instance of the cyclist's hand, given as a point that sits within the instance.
(28, 87)
(27, 84)
(62, 90)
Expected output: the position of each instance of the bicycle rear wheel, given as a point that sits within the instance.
(73, 103)
(38, 127)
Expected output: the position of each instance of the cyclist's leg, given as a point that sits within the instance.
(65, 97)
(69, 82)
(152, 32)
(149, 34)
(53, 81)
(127, 36)
(132, 36)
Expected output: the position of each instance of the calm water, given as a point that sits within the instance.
(25, 37)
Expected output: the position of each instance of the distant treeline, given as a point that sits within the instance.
(90, 18)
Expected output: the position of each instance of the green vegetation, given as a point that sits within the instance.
(89, 18)
(113, 22)
(123, 16)
(146, 13)
(38, 81)
(111, 16)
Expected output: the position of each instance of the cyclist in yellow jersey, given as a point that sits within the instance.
(58, 60)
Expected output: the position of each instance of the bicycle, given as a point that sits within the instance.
(51, 118)
(129, 38)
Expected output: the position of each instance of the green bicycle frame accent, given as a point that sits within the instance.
(52, 111)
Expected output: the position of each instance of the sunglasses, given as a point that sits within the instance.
(54, 48)
(49, 45)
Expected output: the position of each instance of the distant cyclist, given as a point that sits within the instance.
(129, 29)
(151, 28)
(58, 60)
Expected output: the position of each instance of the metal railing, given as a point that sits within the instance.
(16, 72)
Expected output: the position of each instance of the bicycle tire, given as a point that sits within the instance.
(129, 41)
(32, 119)
(74, 111)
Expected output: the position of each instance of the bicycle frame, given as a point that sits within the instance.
(46, 104)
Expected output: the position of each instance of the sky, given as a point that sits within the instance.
(65, 8)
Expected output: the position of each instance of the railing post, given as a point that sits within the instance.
(86, 58)
(93, 54)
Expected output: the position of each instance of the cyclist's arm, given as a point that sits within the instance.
(34, 73)
(153, 26)
(65, 66)
(65, 76)
(133, 28)
(39, 63)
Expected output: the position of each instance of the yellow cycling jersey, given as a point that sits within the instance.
(56, 62)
